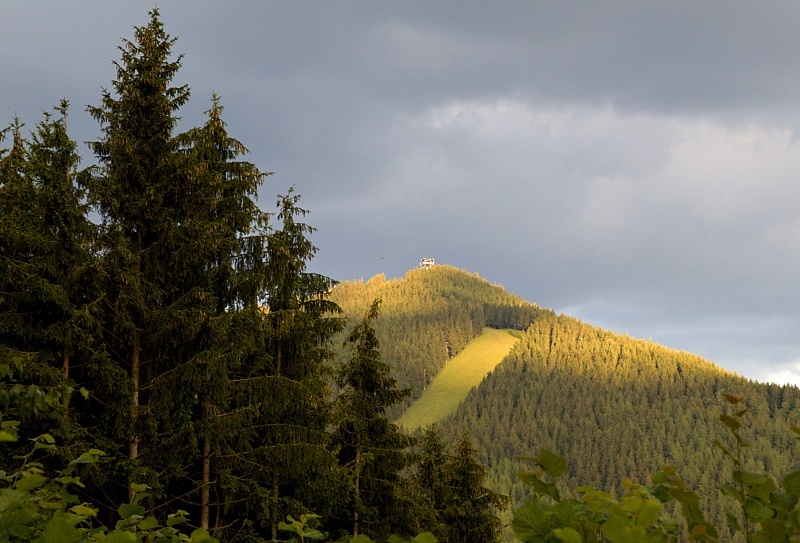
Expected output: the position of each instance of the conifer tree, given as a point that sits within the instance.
(430, 479)
(279, 461)
(457, 507)
(176, 211)
(45, 264)
(372, 449)
(16, 237)
(301, 322)
(222, 213)
(469, 514)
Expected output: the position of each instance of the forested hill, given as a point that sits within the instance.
(619, 408)
(430, 315)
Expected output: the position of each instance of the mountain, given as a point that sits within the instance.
(617, 407)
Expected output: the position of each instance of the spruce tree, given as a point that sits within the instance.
(276, 460)
(456, 506)
(174, 211)
(65, 260)
(372, 449)
(298, 322)
(17, 237)
(137, 197)
(45, 268)
(431, 479)
(225, 219)
(469, 515)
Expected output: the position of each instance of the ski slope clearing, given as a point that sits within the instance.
(459, 375)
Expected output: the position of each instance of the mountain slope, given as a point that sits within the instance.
(619, 408)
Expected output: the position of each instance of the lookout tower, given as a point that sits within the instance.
(425, 262)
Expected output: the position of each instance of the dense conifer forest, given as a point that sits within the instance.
(172, 371)
(620, 408)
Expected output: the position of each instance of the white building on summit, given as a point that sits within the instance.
(425, 262)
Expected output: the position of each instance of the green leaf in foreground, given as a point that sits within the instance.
(568, 535)
(552, 464)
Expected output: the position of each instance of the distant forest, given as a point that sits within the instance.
(429, 316)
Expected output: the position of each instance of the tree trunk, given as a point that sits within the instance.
(65, 398)
(356, 492)
(355, 508)
(205, 478)
(206, 483)
(133, 445)
(273, 512)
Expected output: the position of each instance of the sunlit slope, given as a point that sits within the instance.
(620, 408)
(458, 376)
(429, 316)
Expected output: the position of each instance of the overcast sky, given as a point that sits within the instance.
(634, 164)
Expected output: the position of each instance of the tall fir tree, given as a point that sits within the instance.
(45, 269)
(282, 456)
(456, 506)
(176, 213)
(224, 216)
(137, 195)
(65, 260)
(372, 449)
(17, 237)
(469, 514)
(431, 479)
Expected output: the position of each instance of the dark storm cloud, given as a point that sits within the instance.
(631, 163)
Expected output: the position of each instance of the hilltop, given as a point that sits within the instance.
(429, 316)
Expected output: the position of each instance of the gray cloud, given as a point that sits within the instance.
(633, 164)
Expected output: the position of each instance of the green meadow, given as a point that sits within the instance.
(458, 376)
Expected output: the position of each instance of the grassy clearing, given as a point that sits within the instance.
(458, 376)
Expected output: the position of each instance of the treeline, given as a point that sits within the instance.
(619, 408)
(153, 316)
(429, 316)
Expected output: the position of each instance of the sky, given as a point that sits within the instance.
(633, 164)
